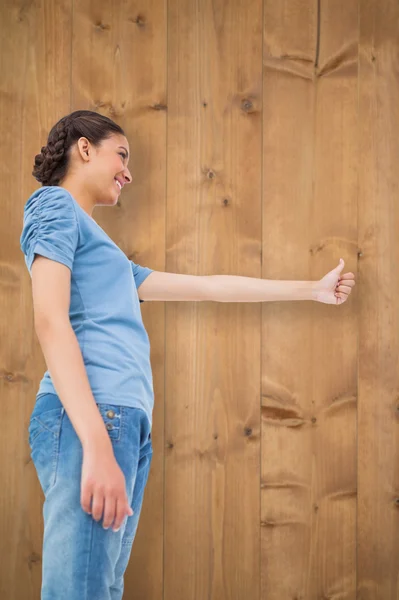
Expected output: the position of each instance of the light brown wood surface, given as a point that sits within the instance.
(264, 143)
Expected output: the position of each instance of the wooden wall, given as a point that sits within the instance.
(264, 143)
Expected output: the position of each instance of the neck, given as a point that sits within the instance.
(81, 195)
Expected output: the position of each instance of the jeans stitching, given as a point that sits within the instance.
(56, 451)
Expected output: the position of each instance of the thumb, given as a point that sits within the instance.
(340, 266)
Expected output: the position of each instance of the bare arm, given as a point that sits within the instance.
(65, 363)
(235, 288)
(51, 291)
(221, 288)
(103, 485)
(333, 288)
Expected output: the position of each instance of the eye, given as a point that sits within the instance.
(124, 156)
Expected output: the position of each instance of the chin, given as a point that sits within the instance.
(115, 197)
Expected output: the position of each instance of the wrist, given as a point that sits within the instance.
(313, 290)
(97, 441)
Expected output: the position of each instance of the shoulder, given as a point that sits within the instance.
(49, 211)
(47, 199)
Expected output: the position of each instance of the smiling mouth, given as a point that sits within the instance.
(118, 185)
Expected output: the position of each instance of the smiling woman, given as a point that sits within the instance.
(90, 430)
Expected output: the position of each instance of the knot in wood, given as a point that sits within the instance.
(101, 26)
(139, 20)
(247, 105)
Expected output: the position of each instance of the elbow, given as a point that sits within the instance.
(46, 323)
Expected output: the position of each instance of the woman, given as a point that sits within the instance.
(92, 450)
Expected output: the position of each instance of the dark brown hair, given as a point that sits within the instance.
(51, 165)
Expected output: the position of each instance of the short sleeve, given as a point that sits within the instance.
(50, 227)
(140, 274)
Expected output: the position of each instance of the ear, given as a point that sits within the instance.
(84, 148)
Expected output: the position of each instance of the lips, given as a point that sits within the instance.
(118, 184)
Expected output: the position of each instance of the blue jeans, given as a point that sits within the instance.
(82, 560)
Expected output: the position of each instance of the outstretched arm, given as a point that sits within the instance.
(332, 289)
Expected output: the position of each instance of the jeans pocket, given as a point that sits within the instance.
(48, 420)
(44, 432)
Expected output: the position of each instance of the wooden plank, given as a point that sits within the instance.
(378, 474)
(119, 69)
(35, 74)
(308, 487)
(213, 349)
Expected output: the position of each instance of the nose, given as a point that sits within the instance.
(127, 177)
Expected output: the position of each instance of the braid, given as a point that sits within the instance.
(52, 154)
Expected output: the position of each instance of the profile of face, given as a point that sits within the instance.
(98, 169)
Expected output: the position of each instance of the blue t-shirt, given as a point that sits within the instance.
(104, 309)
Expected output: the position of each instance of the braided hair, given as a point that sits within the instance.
(51, 165)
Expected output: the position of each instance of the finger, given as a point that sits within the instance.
(344, 288)
(85, 499)
(98, 506)
(109, 511)
(349, 282)
(121, 510)
(341, 295)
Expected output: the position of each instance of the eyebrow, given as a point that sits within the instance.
(125, 149)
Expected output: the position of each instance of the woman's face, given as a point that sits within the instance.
(100, 167)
